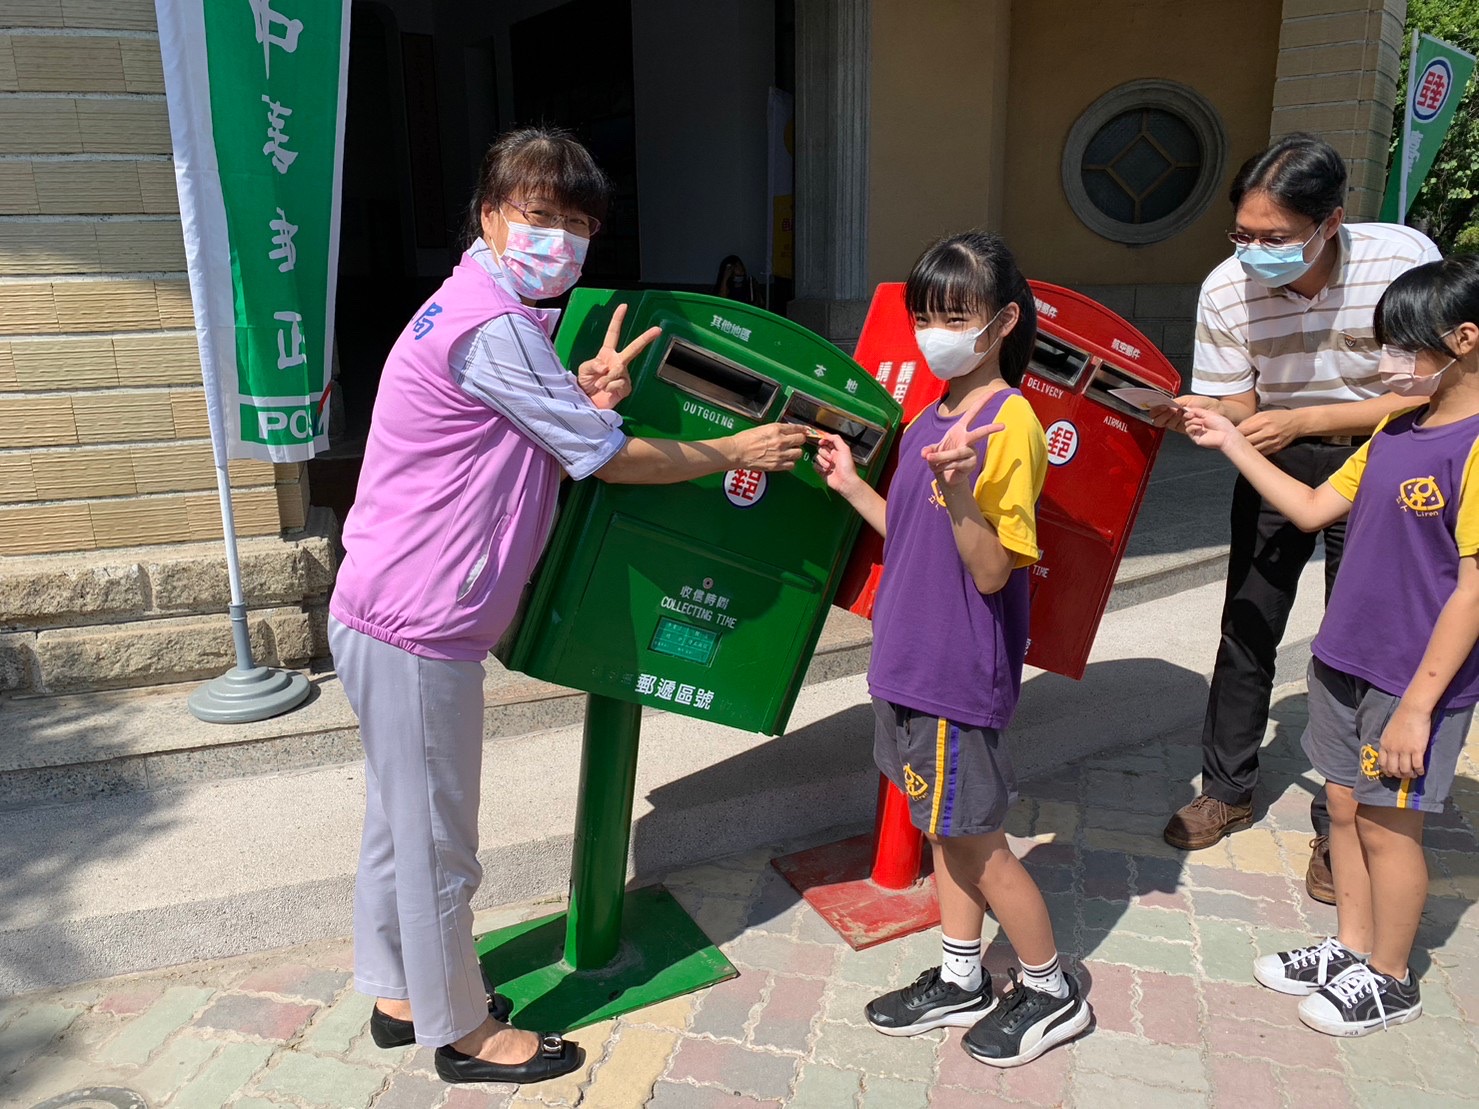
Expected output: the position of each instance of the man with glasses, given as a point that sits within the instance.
(1284, 349)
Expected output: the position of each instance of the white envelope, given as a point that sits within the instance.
(1143, 399)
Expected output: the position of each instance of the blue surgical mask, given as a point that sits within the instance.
(1275, 266)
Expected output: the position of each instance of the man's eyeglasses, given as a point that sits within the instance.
(1273, 242)
(539, 213)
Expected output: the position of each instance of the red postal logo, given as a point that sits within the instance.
(1062, 439)
(1432, 89)
(744, 487)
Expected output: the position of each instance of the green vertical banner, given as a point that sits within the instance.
(1436, 77)
(256, 92)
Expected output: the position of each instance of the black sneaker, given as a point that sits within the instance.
(930, 1002)
(1361, 1000)
(1305, 969)
(1025, 1023)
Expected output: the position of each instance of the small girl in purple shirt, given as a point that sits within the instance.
(949, 640)
(1395, 676)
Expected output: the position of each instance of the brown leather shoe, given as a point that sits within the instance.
(1319, 883)
(1205, 821)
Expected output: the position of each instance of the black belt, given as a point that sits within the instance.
(1331, 440)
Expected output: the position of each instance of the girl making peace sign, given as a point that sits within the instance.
(949, 641)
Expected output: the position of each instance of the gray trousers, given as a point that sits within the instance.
(421, 722)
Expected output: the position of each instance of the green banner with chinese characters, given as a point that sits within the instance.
(1436, 77)
(256, 93)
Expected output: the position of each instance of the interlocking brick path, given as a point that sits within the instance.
(1162, 942)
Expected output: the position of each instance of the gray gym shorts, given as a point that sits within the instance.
(958, 778)
(1343, 739)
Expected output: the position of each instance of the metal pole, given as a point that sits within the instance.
(247, 691)
(1404, 153)
(240, 634)
(603, 831)
(898, 846)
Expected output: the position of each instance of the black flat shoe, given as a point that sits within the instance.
(393, 1032)
(556, 1056)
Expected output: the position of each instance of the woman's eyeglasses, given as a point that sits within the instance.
(540, 213)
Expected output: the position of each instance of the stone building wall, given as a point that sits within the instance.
(104, 445)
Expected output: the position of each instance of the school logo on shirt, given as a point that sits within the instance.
(1421, 495)
(937, 498)
(914, 785)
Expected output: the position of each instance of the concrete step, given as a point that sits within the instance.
(58, 748)
(194, 870)
(64, 748)
(144, 616)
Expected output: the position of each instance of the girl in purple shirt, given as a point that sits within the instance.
(1395, 676)
(949, 640)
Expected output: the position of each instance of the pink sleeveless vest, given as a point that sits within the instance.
(454, 504)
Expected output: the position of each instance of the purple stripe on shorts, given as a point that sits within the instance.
(953, 757)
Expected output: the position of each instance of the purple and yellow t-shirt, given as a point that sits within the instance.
(1414, 516)
(940, 645)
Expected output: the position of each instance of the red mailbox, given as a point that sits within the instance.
(1100, 450)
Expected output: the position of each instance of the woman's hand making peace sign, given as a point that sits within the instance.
(605, 377)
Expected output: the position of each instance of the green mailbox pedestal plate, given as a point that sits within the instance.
(612, 951)
(703, 599)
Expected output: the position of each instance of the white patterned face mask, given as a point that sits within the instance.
(542, 262)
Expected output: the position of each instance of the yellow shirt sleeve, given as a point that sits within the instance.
(1466, 527)
(1012, 477)
(1347, 479)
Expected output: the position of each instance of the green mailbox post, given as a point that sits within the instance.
(704, 599)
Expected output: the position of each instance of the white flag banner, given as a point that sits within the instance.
(256, 96)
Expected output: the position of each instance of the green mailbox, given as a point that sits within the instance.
(705, 598)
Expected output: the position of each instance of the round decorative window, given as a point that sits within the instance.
(1144, 161)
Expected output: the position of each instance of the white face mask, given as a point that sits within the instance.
(951, 354)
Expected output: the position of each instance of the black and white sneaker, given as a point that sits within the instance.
(927, 1003)
(1025, 1023)
(1361, 1000)
(1305, 969)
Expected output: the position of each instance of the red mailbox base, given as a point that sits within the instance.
(834, 880)
(873, 887)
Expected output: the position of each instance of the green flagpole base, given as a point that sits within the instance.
(662, 954)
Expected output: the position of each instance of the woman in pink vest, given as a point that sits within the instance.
(475, 423)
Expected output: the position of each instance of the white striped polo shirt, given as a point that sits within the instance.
(1300, 352)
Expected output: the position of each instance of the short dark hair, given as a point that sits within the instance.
(975, 273)
(548, 162)
(1427, 302)
(1301, 172)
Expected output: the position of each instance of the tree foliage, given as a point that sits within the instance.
(1447, 207)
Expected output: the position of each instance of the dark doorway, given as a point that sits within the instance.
(595, 98)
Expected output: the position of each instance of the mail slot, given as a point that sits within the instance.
(1101, 447)
(704, 598)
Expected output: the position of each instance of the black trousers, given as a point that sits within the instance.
(1266, 558)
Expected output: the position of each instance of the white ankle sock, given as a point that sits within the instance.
(960, 962)
(1047, 978)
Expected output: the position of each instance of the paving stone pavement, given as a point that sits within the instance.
(1161, 940)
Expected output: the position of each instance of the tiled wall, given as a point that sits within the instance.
(103, 435)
